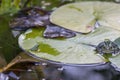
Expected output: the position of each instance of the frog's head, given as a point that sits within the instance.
(107, 44)
(107, 47)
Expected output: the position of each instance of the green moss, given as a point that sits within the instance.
(45, 48)
(35, 32)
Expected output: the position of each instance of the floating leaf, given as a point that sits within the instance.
(70, 50)
(75, 16)
(82, 16)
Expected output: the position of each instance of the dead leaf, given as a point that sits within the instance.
(2, 61)
(22, 57)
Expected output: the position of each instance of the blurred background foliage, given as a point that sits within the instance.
(12, 6)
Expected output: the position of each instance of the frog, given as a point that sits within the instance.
(106, 47)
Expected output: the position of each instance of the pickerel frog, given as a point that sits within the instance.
(106, 47)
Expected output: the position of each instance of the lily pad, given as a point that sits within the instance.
(116, 61)
(82, 16)
(75, 16)
(67, 51)
(70, 50)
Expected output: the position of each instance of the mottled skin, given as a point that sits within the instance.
(107, 47)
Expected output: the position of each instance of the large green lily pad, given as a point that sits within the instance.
(71, 50)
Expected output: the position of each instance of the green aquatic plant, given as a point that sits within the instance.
(7, 6)
(12, 6)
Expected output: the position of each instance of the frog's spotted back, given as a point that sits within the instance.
(107, 47)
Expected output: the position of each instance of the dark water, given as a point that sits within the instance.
(80, 72)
